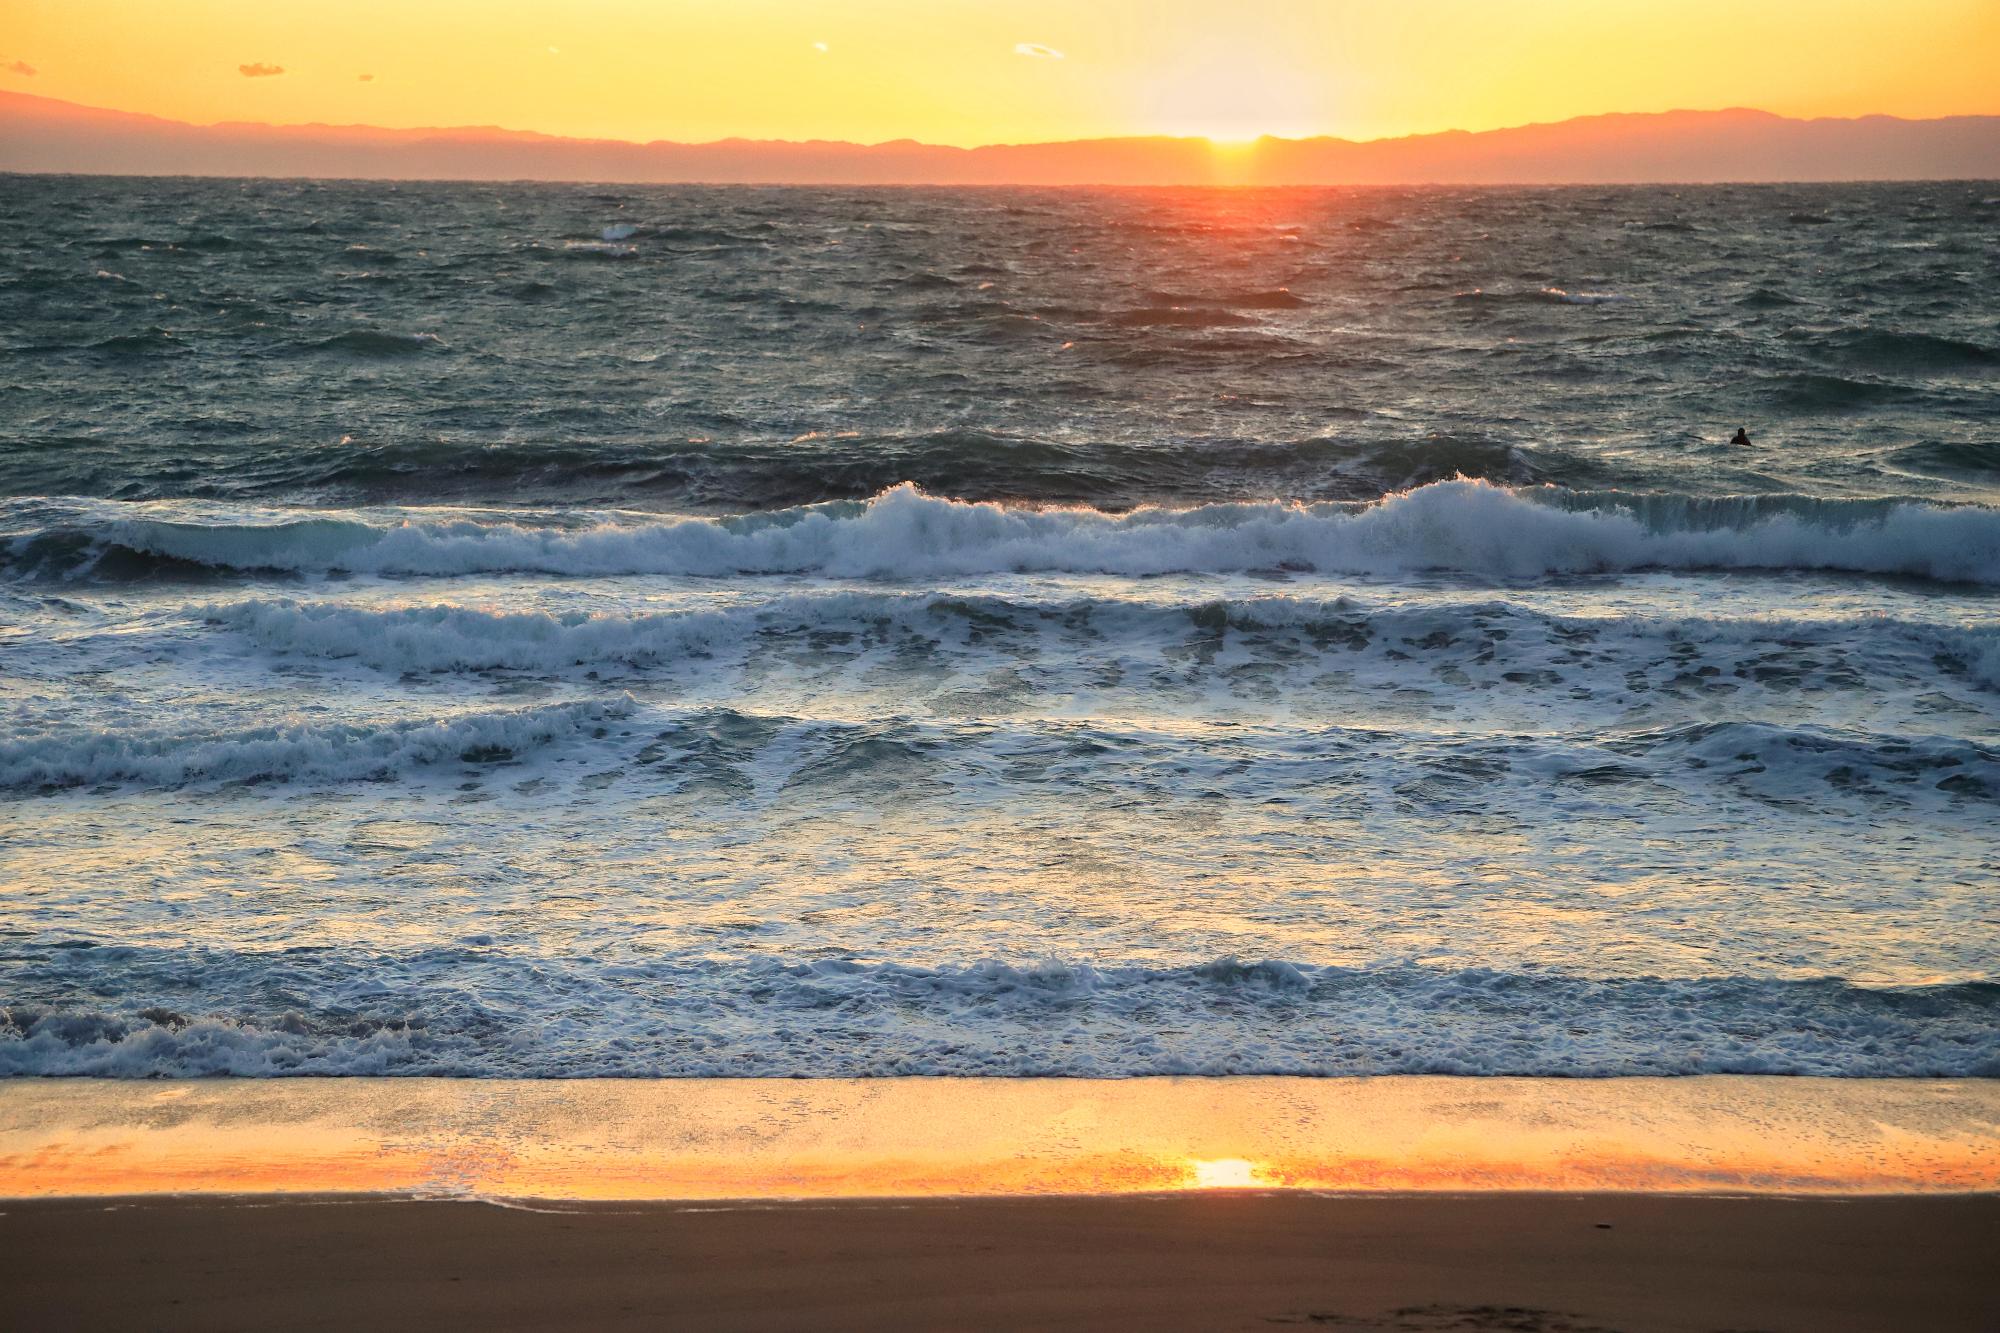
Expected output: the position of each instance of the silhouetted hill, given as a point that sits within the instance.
(43, 134)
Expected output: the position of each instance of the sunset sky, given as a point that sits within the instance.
(952, 71)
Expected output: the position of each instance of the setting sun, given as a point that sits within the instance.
(841, 650)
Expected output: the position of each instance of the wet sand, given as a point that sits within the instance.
(897, 1138)
(1523, 1262)
(1530, 1205)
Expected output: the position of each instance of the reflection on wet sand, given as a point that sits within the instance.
(710, 1139)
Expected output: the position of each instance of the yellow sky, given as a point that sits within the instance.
(955, 71)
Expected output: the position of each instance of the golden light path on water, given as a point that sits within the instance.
(838, 1138)
(1224, 1173)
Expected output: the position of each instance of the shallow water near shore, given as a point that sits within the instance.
(547, 632)
(774, 1139)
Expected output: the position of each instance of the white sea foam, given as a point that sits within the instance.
(1465, 526)
(1583, 298)
(296, 753)
(458, 1012)
(456, 638)
(1806, 764)
(447, 637)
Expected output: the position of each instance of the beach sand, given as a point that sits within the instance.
(1397, 1203)
(1547, 1263)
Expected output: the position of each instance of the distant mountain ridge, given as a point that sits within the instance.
(41, 134)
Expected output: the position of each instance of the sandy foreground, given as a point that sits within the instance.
(1226, 1260)
(1398, 1203)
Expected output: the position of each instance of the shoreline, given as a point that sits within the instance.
(1400, 1204)
(753, 1139)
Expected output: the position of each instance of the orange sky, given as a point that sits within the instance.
(954, 71)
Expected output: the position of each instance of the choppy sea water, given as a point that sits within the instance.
(554, 631)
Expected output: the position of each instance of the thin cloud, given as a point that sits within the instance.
(22, 68)
(1036, 51)
(821, 47)
(260, 71)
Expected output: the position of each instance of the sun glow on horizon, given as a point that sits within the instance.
(1027, 71)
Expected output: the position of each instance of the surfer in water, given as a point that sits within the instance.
(1741, 437)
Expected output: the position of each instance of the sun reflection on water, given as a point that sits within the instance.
(1223, 1173)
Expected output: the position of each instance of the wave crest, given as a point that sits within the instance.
(1467, 527)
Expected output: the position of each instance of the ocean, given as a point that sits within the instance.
(549, 631)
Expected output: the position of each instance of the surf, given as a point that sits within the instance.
(1465, 527)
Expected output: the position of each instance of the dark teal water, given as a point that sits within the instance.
(375, 342)
(546, 631)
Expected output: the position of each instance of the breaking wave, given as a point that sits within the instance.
(1458, 526)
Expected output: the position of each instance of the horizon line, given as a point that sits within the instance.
(52, 136)
(1229, 143)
